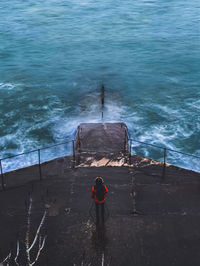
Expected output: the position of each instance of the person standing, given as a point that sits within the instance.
(98, 193)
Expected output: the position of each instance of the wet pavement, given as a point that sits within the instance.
(152, 212)
(150, 220)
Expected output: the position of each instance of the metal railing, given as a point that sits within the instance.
(164, 153)
(39, 161)
(128, 147)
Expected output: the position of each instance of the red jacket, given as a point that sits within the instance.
(94, 196)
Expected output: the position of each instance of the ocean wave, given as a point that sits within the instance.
(49, 120)
(193, 104)
(168, 137)
(7, 86)
(167, 110)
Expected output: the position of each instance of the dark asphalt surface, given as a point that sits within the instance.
(166, 231)
(151, 218)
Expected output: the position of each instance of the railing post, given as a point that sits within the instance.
(125, 141)
(165, 153)
(39, 165)
(79, 141)
(130, 151)
(2, 177)
(164, 162)
(74, 157)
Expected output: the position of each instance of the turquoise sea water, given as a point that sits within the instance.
(55, 54)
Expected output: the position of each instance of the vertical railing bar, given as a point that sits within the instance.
(39, 164)
(2, 176)
(77, 156)
(74, 157)
(165, 152)
(125, 140)
(130, 151)
(79, 140)
(164, 162)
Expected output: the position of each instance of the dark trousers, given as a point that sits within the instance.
(99, 208)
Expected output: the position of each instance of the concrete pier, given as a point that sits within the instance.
(149, 220)
(102, 137)
(101, 143)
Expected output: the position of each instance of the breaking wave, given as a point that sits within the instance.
(54, 121)
(53, 65)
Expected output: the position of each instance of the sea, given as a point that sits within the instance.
(56, 54)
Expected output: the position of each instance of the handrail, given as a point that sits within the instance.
(18, 155)
(44, 148)
(153, 145)
(188, 154)
(57, 144)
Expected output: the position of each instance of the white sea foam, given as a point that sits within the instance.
(167, 110)
(166, 137)
(158, 135)
(10, 88)
(112, 43)
(6, 86)
(62, 123)
(194, 104)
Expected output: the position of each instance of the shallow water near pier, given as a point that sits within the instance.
(55, 55)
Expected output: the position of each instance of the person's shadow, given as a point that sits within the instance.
(93, 213)
(99, 239)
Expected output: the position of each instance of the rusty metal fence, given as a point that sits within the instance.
(163, 154)
(36, 158)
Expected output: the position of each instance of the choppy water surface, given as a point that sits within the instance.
(55, 54)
